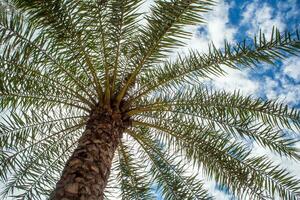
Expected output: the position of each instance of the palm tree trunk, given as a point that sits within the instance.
(86, 172)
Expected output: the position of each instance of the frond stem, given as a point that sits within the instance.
(148, 54)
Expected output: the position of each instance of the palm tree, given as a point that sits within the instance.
(92, 107)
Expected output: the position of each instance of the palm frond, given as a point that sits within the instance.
(25, 163)
(168, 173)
(134, 184)
(265, 122)
(62, 62)
(266, 137)
(203, 65)
(124, 27)
(39, 82)
(22, 38)
(230, 164)
(34, 179)
(203, 101)
(19, 128)
(164, 26)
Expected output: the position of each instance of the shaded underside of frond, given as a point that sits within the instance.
(166, 171)
(132, 175)
(34, 147)
(225, 160)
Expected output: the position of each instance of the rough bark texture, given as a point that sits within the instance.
(86, 172)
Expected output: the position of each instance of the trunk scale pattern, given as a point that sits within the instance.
(86, 173)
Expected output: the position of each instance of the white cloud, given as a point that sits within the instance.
(218, 27)
(286, 163)
(291, 67)
(145, 8)
(211, 186)
(291, 95)
(236, 80)
(289, 8)
(262, 16)
(216, 30)
(288, 93)
(285, 86)
(270, 88)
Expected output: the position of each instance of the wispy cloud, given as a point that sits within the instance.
(276, 82)
(236, 80)
(291, 67)
(285, 86)
(262, 16)
(216, 30)
(280, 82)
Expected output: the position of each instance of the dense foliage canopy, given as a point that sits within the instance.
(61, 58)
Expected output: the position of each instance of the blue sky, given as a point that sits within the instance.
(243, 19)
(235, 20)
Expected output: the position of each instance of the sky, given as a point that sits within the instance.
(235, 20)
